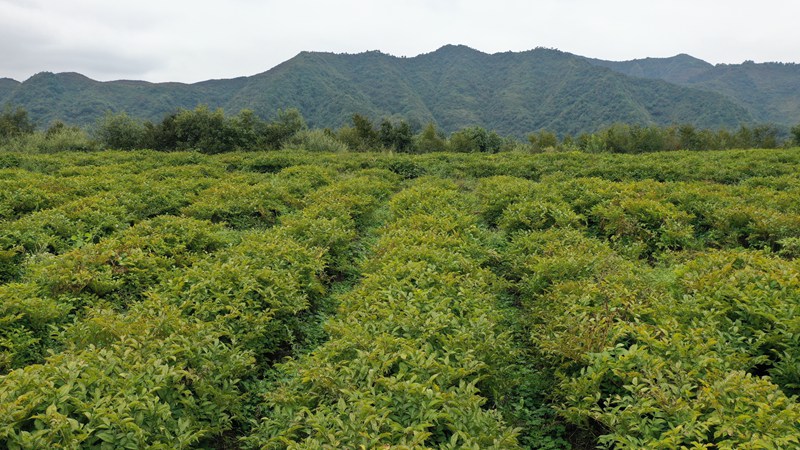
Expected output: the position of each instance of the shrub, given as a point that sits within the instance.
(316, 141)
(119, 132)
(240, 204)
(148, 378)
(644, 227)
(538, 215)
(67, 139)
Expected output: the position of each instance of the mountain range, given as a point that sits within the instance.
(455, 86)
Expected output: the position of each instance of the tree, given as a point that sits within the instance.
(617, 138)
(765, 136)
(288, 123)
(648, 138)
(366, 133)
(689, 140)
(743, 138)
(163, 135)
(204, 130)
(403, 137)
(398, 138)
(15, 122)
(475, 139)
(796, 134)
(386, 133)
(429, 140)
(247, 129)
(543, 139)
(592, 143)
(119, 132)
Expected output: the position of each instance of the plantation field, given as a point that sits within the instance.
(374, 300)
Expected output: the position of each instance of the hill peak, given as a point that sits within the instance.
(456, 49)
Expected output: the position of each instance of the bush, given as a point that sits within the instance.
(408, 347)
(316, 141)
(538, 215)
(67, 139)
(242, 205)
(119, 132)
(642, 227)
(253, 293)
(148, 378)
(119, 269)
(14, 122)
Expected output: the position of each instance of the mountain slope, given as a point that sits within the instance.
(74, 98)
(676, 69)
(328, 89)
(7, 86)
(542, 88)
(769, 91)
(455, 86)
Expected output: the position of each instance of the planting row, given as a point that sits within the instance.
(157, 336)
(646, 219)
(417, 353)
(698, 349)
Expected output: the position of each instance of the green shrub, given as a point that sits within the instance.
(538, 215)
(149, 378)
(240, 204)
(412, 348)
(119, 132)
(66, 139)
(661, 403)
(317, 141)
(25, 317)
(642, 227)
(119, 269)
(253, 292)
(497, 193)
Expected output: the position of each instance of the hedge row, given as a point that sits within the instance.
(158, 336)
(646, 219)
(698, 350)
(416, 351)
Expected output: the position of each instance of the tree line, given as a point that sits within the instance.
(212, 131)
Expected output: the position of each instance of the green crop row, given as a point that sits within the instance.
(297, 300)
(646, 218)
(156, 335)
(695, 353)
(724, 167)
(416, 349)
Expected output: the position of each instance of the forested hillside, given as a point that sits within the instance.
(289, 299)
(454, 87)
(7, 86)
(769, 91)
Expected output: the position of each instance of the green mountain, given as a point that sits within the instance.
(7, 86)
(769, 91)
(74, 98)
(455, 86)
(677, 69)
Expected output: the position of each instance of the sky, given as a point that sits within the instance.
(195, 40)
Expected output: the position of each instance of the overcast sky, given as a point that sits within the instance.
(194, 40)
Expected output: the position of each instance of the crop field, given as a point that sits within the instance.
(374, 300)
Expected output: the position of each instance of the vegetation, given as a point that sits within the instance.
(764, 89)
(213, 132)
(454, 87)
(299, 299)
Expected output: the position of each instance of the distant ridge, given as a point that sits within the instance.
(677, 69)
(7, 86)
(455, 86)
(769, 91)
